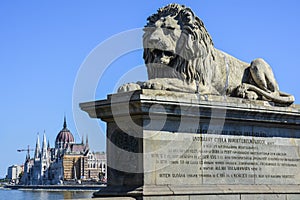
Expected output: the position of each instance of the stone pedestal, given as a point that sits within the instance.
(169, 145)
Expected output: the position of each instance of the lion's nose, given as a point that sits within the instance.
(156, 35)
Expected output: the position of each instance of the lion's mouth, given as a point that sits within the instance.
(162, 56)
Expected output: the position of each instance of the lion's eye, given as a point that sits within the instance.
(168, 30)
(171, 28)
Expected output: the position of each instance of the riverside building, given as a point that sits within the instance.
(66, 162)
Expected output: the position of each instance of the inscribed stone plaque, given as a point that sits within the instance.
(182, 158)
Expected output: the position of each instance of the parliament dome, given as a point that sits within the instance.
(64, 136)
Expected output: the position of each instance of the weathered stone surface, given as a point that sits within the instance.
(191, 159)
(292, 197)
(263, 197)
(215, 197)
(180, 56)
(172, 143)
(163, 198)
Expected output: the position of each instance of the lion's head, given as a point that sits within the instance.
(177, 45)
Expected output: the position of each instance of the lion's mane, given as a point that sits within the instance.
(194, 50)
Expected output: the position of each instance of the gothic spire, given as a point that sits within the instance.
(65, 122)
(37, 147)
(87, 142)
(44, 147)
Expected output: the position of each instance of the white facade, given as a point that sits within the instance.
(13, 173)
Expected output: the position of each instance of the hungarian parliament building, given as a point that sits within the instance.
(66, 162)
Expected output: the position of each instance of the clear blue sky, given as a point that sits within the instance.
(43, 45)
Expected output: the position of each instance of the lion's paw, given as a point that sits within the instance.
(155, 85)
(129, 87)
(243, 92)
(251, 95)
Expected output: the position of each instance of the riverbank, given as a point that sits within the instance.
(56, 187)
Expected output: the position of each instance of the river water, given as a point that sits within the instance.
(8, 194)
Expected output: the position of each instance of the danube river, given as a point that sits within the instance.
(6, 194)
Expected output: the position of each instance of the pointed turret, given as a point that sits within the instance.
(44, 159)
(37, 151)
(65, 123)
(87, 142)
(44, 147)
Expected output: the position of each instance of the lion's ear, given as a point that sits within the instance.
(187, 47)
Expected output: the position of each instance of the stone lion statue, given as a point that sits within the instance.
(180, 56)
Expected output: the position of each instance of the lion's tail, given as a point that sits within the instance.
(282, 98)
